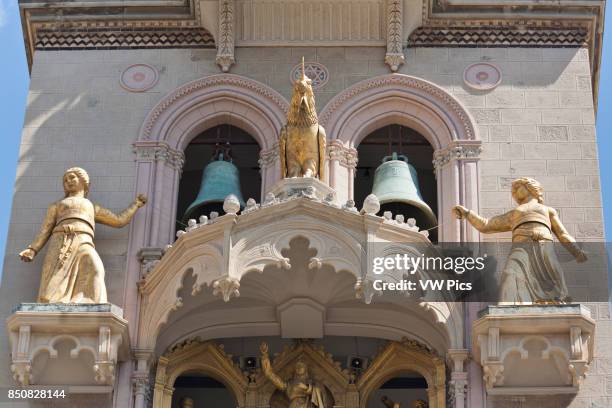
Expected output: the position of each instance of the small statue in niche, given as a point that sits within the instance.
(302, 140)
(532, 273)
(389, 403)
(72, 270)
(301, 390)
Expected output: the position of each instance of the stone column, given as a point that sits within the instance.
(140, 377)
(459, 377)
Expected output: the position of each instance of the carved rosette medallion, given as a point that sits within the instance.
(318, 73)
(139, 78)
(482, 76)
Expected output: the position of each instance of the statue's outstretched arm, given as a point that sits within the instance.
(499, 223)
(564, 237)
(267, 369)
(46, 229)
(107, 217)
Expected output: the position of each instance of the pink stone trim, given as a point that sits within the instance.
(417, 95)
(256, 101)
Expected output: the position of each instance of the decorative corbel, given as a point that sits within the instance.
(104, 366)
(21, 366)
(394, 57)
(225, 42)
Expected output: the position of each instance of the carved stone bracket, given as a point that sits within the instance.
(97, 330)
(394, 57)
(509, 340)
(464, 150)
(159, 151)
(225, 44)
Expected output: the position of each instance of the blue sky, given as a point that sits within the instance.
(14, 84)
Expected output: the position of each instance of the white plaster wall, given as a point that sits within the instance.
(539, 122)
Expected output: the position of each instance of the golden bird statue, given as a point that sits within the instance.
(302, 139)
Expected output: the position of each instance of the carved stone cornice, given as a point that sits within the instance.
(465, 150)
(394, 57)
(159, 151)
(225, 47)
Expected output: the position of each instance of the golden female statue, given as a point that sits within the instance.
(301, 390)
(532, 273)
(72, 269)
(302, 139)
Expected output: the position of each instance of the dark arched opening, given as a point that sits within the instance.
(243, 153)
(192, 390)
(407, 390)
(403, 141)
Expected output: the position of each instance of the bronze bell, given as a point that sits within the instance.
(397, 187)
(220, 178)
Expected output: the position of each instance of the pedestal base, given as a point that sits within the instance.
(303, 187)
(530, 350)
(74, 345)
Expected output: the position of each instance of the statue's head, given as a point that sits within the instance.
(302, 111)
(301, 370)
(419, 404)
(76, 179)
(524, 187)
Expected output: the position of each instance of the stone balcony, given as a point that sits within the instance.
(75, 346)
(534, 349)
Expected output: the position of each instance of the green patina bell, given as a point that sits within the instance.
(220, 178)
(397, 187)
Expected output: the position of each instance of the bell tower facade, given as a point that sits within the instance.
(247, 271)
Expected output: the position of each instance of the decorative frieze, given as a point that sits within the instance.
(100, 38)
(497, 36)
(395, 37)
(159, 151)
(225, 47)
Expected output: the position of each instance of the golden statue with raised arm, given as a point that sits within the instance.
(532, 273)
(301, 390)
(72, 270)
(302, 140)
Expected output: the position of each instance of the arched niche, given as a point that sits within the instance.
(403, 357)
(408, 143)
(237, 147)
(206, 358)
(424, 107)
(187, 112)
